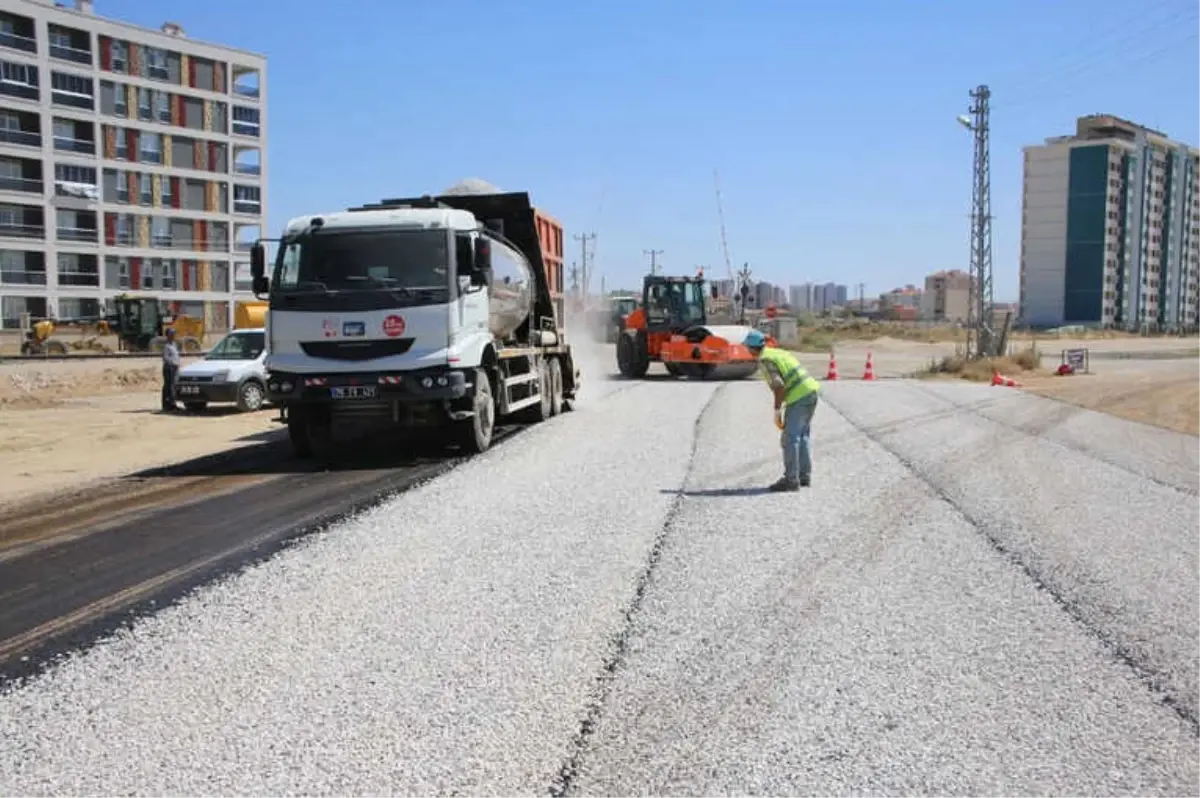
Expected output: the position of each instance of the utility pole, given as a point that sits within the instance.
(584, 263)
(980, 337)
(862, 300)
(574, 279)
(653, 253)
(742, 290)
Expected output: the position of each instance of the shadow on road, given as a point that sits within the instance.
(716, 492)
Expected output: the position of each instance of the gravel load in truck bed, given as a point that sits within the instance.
(558, 616)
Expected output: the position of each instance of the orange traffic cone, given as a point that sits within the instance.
(869, 374)
(832, 373)
(1007, 382)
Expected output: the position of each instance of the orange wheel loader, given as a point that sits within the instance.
(671, 327)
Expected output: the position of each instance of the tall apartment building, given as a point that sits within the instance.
(947, 296)
(1110, 231)
(131, 160)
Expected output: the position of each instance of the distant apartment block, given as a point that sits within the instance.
(947, 296)
(1110, 232)
(131, 160)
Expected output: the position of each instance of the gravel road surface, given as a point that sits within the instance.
(558, 616)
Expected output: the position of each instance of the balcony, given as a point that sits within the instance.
(78, 270)
(80, 235)
(19, 33)
(77, 226)
(70, 99)
(22, 268)
(251, 169)
(70, 144)
(246, 82)
(24, 138)
(70, 44)
(77, 195)
(22, 221)
(25, 185)
(253, 207)
(20, 81)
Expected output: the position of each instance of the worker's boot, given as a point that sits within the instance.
(806, 480)
(785, 485)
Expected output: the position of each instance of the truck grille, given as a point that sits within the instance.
(356, 350)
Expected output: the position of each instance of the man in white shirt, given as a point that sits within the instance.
(170, 367)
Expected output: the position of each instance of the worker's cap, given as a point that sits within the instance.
(170, 332)
(755, 339)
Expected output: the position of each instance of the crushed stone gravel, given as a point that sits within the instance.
(1121, 550)
(857, 638)
(446, 642)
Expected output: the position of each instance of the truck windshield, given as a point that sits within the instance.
(411, 263)
(238, 346)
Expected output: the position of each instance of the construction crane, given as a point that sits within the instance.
(740, 281)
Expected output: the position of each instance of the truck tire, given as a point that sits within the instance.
(297, 424)
(632, 359)
(556, 387)
(474, 434)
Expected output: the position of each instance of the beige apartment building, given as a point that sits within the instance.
(947, 296)
(132, 160)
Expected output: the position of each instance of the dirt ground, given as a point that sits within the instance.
(67, 424)
(1163, 393)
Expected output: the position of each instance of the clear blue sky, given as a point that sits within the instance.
(832, 123)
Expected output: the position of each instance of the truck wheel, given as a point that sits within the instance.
(474, 434)
(251, 397)
(556, 387)
(632, 361)
(297, 424)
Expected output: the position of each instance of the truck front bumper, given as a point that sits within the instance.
(425, 385)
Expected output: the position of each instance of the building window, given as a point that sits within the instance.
(156, 63)
(146, 189)
(74, 90)
(160, 232)
(119, 106)
(162, 103)
(150, 147)
(246, 199)
(18, 74)
(70, 173)
(144, 111)
(245, 121)
(167, 201)
(122, 185)
(124, 229)
(120, 56)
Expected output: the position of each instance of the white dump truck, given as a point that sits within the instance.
(424, 312)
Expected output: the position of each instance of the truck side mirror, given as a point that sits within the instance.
(258, 269)
(712, 290)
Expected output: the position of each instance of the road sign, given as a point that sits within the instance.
(770, 311)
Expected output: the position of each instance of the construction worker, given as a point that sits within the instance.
(170, 367)
(796, 394)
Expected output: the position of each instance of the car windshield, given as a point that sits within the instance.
(239, 346)
(676, 302)
(406, 262)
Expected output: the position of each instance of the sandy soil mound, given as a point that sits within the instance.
(35, 389)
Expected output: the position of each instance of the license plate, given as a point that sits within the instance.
(353, 392)
(189, 389)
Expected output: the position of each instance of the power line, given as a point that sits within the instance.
(653, 253)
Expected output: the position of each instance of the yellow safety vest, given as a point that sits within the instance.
(797, 383)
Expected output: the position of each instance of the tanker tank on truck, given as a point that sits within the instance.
(429, 311)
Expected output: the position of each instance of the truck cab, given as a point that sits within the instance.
(416, 312)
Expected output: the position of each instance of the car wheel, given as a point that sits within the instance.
(251, 396)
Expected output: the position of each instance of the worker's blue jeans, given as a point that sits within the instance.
(797, 427)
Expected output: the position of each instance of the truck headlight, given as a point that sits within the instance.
(221, 376)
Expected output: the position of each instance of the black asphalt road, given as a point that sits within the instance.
(63, 590)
